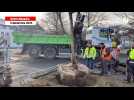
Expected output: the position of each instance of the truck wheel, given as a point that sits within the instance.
(34, 51)
(49, 52)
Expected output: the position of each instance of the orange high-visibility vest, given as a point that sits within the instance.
(104, 57)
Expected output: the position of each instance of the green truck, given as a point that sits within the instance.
(43, 44)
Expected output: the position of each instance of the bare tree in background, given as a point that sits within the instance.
(129, 16)
(54, 21)
(53, 24)
(122, 15)
(93, 18)
(61, 22)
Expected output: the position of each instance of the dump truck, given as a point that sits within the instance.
(43, 44)
(49, 45)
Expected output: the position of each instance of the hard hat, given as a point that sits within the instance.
(119, 46)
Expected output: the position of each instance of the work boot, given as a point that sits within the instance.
(96, 71)
(128, 80)
(133, 79)
(103, 74)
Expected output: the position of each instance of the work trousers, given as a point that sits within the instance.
(115, 65)
(106, 66)
(130, 71)
(90, 63)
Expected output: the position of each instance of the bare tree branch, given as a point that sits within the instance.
(61, 22)
(94, 17)
(54, 23)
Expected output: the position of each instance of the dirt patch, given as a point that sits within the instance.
(50, 80)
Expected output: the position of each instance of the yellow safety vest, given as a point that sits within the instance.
(131, 54)
(90, 52)
(114, 44)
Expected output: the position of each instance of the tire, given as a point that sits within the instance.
(49, 52)
(34, 51)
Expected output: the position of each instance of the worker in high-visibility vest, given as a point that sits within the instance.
(90, 55)
(114, 44)
(115, 55)
(106, 59)
(130, 64)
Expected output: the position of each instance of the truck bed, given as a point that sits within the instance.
(29, 38)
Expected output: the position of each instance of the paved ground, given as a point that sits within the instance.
(23, 66)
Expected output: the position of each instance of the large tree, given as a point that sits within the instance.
(73, 56)
(76, 32)
(74, 73)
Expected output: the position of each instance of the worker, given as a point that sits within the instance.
(102, 48)
(115, 55)
(106, 59)
(130, 64)
(90, 55)
(115, 41)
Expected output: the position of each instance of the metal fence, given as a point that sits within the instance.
(5, 35)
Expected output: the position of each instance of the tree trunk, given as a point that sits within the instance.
(56, 26)
(88, 19)
(73, 56)
(62, 26)
(74, 73)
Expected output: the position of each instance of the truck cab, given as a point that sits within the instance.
(97, 36)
